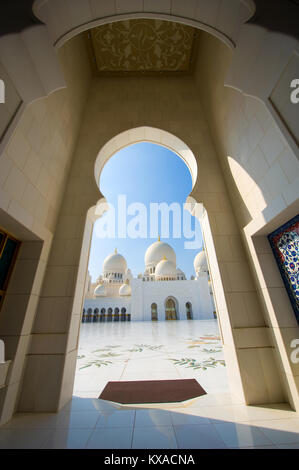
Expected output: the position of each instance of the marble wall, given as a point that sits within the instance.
(33, 170)
(114, 106)
(261, 172)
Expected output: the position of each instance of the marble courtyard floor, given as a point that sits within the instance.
(149, 351)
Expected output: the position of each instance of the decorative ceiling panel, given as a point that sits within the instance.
(142, 46)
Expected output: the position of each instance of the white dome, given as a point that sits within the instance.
(128, 275)
(125, 289)
(200, 262)
(114, 263)
(100, 291)
(165, 268)
(157, 251)
(179, 272)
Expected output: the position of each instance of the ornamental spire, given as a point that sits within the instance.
(159, 238)
(115, 251)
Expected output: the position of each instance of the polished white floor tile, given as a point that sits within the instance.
(239, 435)
(82, 404)
(279, 411)
(23, 439)
(269, 447)
(107, 407)
(68, 439)
(280, 431)
(78, 419)
(144, 351)
(154, 437)
(110, 438)
(288, 446)
(32, 421)
(221, 414)
(215, 399)
(152, 418)
(117, 418)
(208, 421)
(187, 417)
(202, 436)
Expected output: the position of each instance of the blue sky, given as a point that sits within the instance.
(144, 173)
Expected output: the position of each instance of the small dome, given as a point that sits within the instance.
(125, 289)
(200, 262)
(114, 263)
(179, 272)
(165, 268)
(157, 251)
(100, 291)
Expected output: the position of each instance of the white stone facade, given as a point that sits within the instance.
(147, 297)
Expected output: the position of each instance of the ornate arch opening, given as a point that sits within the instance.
(171, 308)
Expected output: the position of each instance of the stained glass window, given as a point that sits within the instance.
(285, 245)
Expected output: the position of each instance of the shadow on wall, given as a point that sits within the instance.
(243, 185)
(258, 163)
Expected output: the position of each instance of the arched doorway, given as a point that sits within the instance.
(103, 314)
(154, 312)
(173, 143)
(89, 315)
(96, 315)
(189, 313)
(109, 316)
(171, 312)
(221, 309)
(84, 316)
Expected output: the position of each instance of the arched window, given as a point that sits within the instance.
(189, 313)
(116, 310)
(103, 311)
(123, 310)
(109, 311)
(154, 311)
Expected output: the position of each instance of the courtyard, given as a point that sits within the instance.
(153, 351)
(149, 351)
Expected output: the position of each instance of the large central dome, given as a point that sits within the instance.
(158, 251)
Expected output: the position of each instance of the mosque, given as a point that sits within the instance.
(214, 81)
(162, 292)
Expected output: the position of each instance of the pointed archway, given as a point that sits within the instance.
(171, 309)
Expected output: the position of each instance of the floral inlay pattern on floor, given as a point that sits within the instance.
(110, 352)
